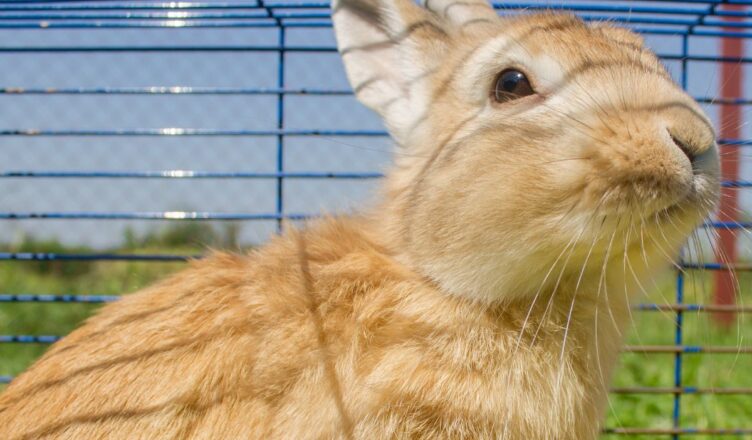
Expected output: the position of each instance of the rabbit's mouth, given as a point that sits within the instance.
(703, 189)
(689, 198)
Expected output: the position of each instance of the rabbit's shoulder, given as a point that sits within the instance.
(230, 333)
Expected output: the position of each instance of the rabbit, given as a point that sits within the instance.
(545, 168)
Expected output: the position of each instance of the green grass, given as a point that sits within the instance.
(636, 369)
(698, 370)
(87, 278)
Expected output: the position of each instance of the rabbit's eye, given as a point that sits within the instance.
(512, 84)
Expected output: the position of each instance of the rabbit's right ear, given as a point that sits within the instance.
(389, 48)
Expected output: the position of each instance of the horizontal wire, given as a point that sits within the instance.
(97, 298)
(169, 24)
(693, 307)
(701, 10)
(190, 90)
(179, 90)
(278, 48)
(29, 339)
(114, 6)
(180, 131)
(158, 215)
(195, 174)
(177, 131)
(49, 256)
(696, 31)
(678, 431)
(207, 215)
(56, 298)
(680, 390)
(311, 4)
(250, 16)
(44, 256)
(641, 349)
(685, 349)
(712, 30)
(167, 48)
(739, 267)
(622, 390)
(187, 174)
(728, 225)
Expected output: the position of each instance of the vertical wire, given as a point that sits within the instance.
(280, 114)
(679, 331)
(280, 127)
(678, 340)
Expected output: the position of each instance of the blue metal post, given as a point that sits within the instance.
(679, 336)
(678, 340)
(280, 127)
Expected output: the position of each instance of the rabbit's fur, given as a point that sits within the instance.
(484, 298)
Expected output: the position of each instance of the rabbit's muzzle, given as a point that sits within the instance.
(652, 160)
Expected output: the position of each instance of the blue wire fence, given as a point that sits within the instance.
(680, 32)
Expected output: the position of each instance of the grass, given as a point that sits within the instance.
(636, 369)
(703, 411)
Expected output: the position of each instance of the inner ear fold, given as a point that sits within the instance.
(462, 13)
(389, 48)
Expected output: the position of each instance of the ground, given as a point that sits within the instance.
(636, 369)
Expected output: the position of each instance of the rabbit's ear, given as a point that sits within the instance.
(461, 13)
(619, 34)
(389, 48)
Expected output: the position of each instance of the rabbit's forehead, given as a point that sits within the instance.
(548, 58)
(504, 51)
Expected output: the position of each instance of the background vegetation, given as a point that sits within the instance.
(636, 369)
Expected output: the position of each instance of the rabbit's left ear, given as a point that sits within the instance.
(619, 34)
(390, 48)
(462, 13)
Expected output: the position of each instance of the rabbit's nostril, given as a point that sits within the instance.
(684, 147)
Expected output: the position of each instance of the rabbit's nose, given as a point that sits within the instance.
(696, 143)
(699, 149)
(686, 149)
(688, 133)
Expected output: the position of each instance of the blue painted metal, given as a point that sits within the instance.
(160, 215)
(29, 339)
(193, 174)
(30, 297)
(173, 91)
(678, 336)
(46, 256)
(280, 121)
(678, 340)
(190, 132)
(691, 18)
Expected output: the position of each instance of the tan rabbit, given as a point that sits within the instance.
(547, 166)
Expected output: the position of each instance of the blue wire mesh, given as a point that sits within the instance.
(288, 52)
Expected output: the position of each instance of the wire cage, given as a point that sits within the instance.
(118, 115)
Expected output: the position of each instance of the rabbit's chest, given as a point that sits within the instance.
(477, 386)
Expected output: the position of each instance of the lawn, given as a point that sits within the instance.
(636, 369)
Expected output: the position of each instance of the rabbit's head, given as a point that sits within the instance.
(526, 145)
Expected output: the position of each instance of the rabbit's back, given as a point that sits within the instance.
(320, 334)
(213, 352)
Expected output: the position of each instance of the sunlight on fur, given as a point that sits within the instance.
(484, 296)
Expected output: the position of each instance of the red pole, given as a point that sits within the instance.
(731, 122)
